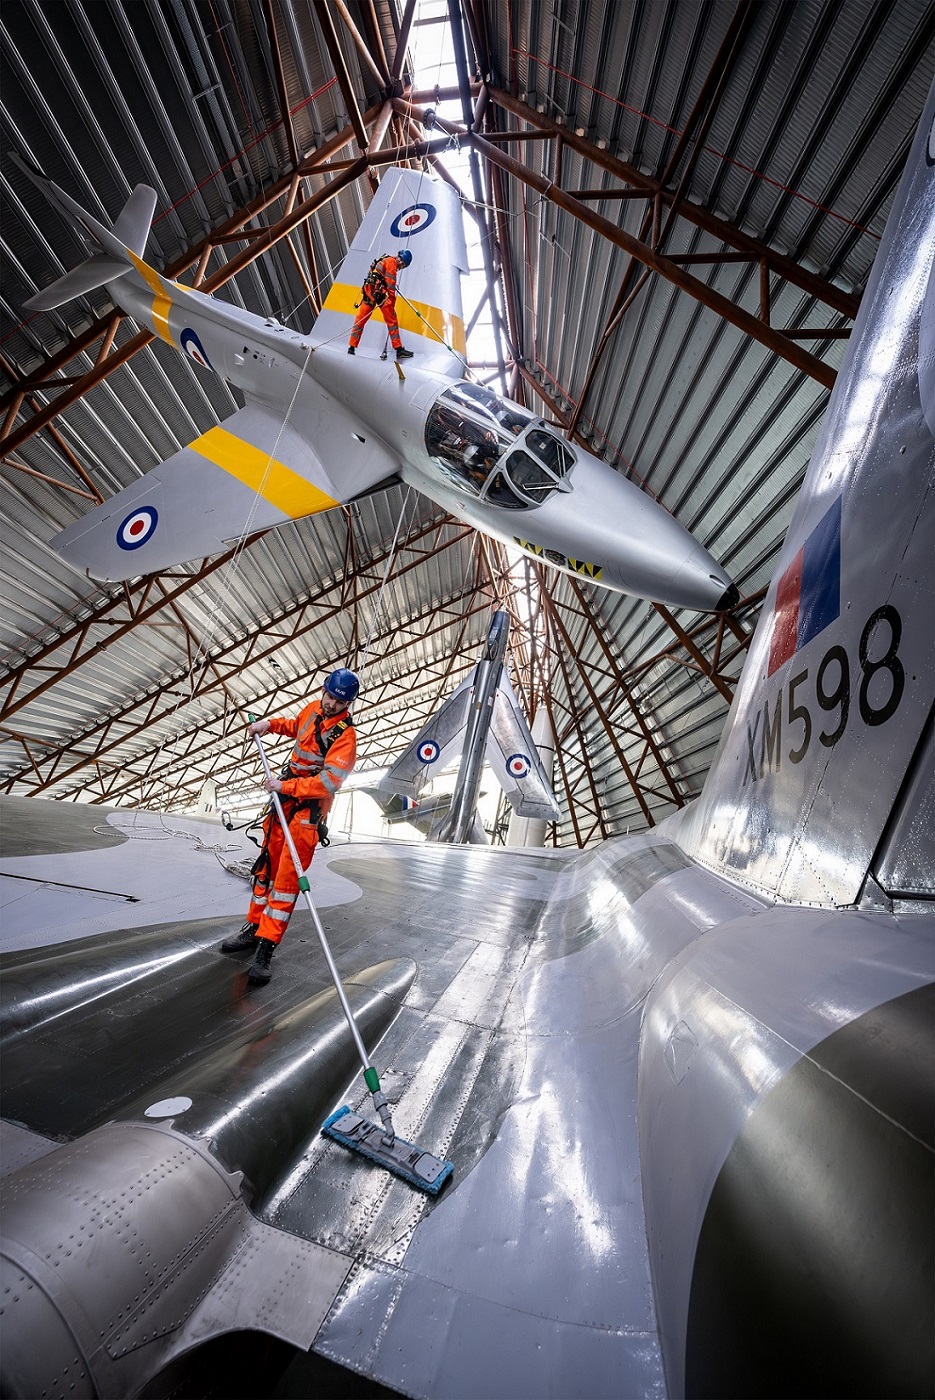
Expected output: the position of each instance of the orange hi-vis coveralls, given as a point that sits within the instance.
(389, 266)
(320, 761)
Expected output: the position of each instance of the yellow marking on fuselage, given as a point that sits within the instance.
(436, 325)
(275, 482)
(162, 303)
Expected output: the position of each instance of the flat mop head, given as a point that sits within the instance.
(420, 1168)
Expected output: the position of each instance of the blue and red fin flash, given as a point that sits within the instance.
(420, 1168)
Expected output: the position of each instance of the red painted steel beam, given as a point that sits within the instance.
(836, 297)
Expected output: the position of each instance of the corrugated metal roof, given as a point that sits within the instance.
(804, 150)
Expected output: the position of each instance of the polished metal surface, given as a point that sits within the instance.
(129, 1247)
(726, 1022)
(559, 1026)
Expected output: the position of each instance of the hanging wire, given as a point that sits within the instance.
(365, 650)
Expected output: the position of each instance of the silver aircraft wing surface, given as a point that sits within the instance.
(251, 472)
(512, 754)
(435, 746)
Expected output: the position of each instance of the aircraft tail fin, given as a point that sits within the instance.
(114, 251)
(821, 787)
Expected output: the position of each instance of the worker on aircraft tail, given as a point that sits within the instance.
(379, 290)
(323, 755)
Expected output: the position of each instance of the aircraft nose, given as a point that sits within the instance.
(642, 549)
(703, 579)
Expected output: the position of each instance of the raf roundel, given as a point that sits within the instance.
(412, 220)
(194, 348)
(517, 765)
(137, 528)
(429, 751)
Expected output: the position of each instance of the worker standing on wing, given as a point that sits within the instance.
(323, 755)
(379, 290)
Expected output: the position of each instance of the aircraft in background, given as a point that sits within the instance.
(422, 814)
(686, 1078)
(319, 429)
(483, 719)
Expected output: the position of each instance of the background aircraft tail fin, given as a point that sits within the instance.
(421, 213)
(113, 250)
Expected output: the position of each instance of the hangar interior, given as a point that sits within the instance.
(676, 1084)
(677, 205)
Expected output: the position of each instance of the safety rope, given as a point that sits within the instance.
(365, 650)
(201, 654)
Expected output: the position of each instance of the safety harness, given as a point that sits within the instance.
(292, 805)
(376, 286)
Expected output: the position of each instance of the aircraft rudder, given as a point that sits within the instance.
(840, 673)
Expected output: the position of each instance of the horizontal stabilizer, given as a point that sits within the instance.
(512, 754)
(113, 249)
(434, 747)
(248, 474)
(84, 278)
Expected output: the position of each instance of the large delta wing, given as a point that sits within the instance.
(433, 748)
(249, 473)
(512, 754)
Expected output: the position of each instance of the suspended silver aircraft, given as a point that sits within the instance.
(685, 1079)
(481, 720)
(320, 428)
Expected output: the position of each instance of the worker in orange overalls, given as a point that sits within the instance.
(379, 290)
(323, 755)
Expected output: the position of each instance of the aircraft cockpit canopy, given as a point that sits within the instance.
(496, 450)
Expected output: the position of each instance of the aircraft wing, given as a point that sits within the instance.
(435, 745)
(249, 473)
(512, 754)
(421, 213)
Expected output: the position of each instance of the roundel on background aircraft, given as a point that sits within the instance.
(428, 751)
(194, 348)
(517, 765)
(412, 220)
(137, 528)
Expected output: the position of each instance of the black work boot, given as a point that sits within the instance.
(242, 942)
(351, 350)
(403, 354)
(260, 970)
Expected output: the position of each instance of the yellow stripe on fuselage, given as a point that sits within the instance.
(275, 482)
(161, 301)
(439, 326)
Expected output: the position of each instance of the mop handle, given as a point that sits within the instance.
(369, 1072)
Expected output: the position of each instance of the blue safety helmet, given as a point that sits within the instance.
(404, 257)
(343, 685)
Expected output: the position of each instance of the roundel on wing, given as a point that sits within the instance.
(194, 348)
(428, 751)
(137, 528)
(412, 220)
(518, 765)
